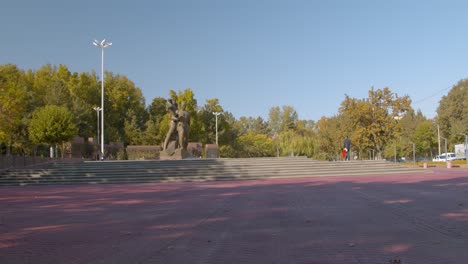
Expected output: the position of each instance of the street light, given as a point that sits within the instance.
(97, 109)
(103, 44)
(217, 114)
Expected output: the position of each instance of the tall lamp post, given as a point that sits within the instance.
(103, 44)
(217, 114)
(97, 109)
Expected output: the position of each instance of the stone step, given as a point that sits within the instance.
(195, 170)
(238, 174)
(116, 180)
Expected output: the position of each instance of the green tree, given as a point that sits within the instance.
(282, 119)
(50, 86)
(452, 113)
(157, 109)
(425, 139)
(256, 125)
(208, 120)
(157, 113)
(255, 145)
(405, 136)
(13, 98)
(133, 133)
(51, 125)
(123, 101)
(85, 94)
(330, 135)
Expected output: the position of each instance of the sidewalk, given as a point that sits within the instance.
(419, 219)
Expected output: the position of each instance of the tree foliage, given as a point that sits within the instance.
(255, 145)
(373, 122)
(383, 122)
(452, 113)
(13, 98)
(51, 125)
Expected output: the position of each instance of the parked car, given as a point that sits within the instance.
(445, 157)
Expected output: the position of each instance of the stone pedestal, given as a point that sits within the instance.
(178, 154)
(171, 153)
(196, 149)
(212, 151)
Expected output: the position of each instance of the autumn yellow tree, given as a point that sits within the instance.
(373, 122)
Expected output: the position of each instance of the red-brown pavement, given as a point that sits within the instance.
(419, 219)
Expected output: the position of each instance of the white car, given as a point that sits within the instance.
(445, 157)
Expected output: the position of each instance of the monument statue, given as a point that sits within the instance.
(172, 109)
(183, 126)
(176, 141)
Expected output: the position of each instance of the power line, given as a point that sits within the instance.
(432, 95)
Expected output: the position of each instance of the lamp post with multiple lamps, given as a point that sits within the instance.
(97, 109)
(103, 44)
(217, 114)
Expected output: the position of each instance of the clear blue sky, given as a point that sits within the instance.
(251, 54)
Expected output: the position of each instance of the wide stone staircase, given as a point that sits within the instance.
(117, 172)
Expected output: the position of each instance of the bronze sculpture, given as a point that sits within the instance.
(179, 126)
(172, 109)
(183, 126)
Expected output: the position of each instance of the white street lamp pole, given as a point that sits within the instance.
(97, 109)
(103, 44)
(217, 114)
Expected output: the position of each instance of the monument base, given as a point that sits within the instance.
(178, 154)
(212, 151)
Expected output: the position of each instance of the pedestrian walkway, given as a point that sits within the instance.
(411, 218)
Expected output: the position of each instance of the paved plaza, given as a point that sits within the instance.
(380, 219)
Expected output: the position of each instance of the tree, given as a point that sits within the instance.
(425, 139)
(256, 125)
(85, 93)
(133, 133)
(157, 112)
(51, 125)
(282, 119)
(452, 113)
(51, 86)
(330, 135)
(374, 121)
(13, 96)
(157, 109)
(208, 120)
(122, 102)
(255, 145)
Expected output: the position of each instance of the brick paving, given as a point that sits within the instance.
(419, 219)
